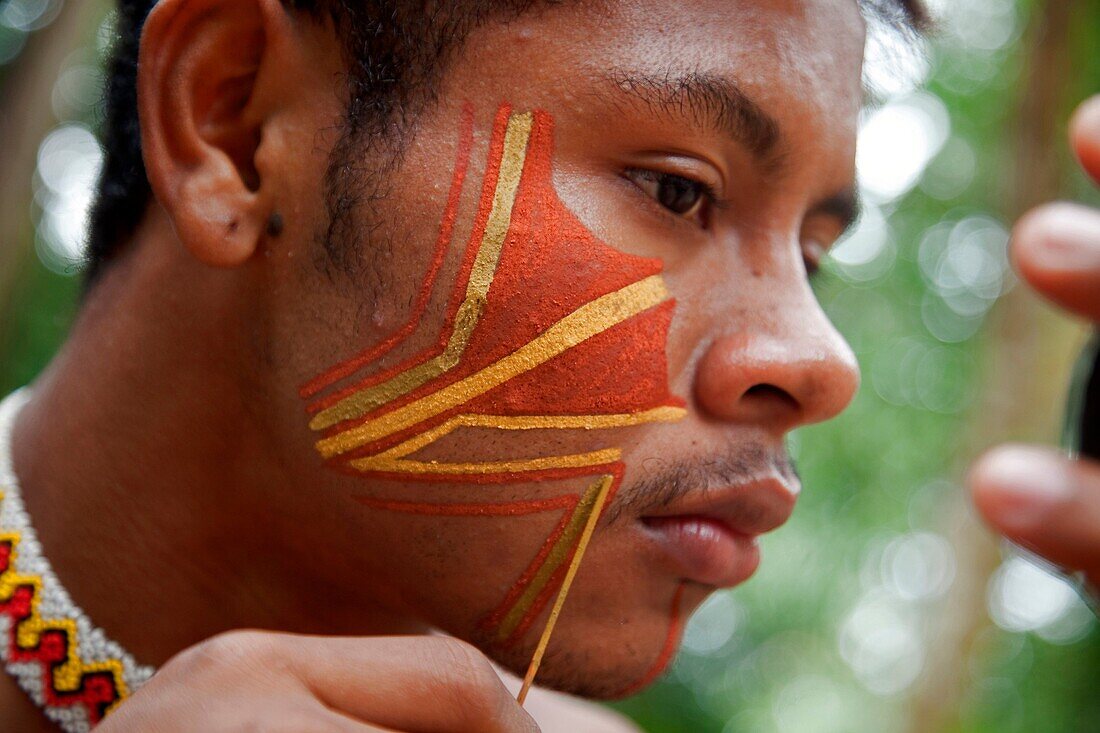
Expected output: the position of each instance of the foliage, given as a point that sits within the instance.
(834, 633)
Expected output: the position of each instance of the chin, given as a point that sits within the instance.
(605, 656)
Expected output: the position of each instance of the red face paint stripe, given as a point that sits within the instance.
(540, 604)
(555, 580)
(492, 172)
(509, 509)
(559, 551)
(672, 641)
(549, 474)
(446, 232)
(517, 588)
(586, 353)
(605, 393)
(528, 576)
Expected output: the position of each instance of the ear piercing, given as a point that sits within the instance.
(275, 225)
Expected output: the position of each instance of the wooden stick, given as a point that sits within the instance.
(578, 555)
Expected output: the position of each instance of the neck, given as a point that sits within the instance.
(144, 470)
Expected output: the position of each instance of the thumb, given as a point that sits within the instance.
(1044, 501)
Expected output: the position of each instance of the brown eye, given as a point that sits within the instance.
(682, 196)
(678, 195)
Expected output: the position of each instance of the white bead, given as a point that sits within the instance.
(54, 602)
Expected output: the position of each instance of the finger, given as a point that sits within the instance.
(1084, 131)
(1044, 501)
(277, 716)
(333, 721)
(1056, 248)
(410, 684)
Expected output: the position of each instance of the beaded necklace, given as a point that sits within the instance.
(67, 666)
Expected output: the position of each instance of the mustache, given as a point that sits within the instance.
(669, 480)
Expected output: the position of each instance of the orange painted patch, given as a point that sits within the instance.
(530, 270)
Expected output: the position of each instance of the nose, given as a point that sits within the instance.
(795, 371)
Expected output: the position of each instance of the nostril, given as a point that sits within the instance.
(778, 383)
(770, 393)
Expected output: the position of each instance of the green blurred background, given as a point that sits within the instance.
(883, 605)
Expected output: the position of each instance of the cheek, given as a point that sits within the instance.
(546, 331)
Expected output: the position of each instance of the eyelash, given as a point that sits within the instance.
(708, 198)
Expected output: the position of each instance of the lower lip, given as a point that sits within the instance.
(704, 550)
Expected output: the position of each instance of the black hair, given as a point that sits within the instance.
(395, 51)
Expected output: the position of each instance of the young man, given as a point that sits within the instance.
(413, 299)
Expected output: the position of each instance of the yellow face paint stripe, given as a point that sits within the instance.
(391, 461)
(512, 161)
(578, 460)
(566, 584)
(582, 324)
(534, 422)
(516, 137)
(554, 560)
(572, 533)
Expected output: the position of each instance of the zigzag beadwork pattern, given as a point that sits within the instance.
(547, 329)
(66, 665)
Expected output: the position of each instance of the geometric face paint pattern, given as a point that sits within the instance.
(547, 328)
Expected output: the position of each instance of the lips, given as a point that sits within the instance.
(710, 536)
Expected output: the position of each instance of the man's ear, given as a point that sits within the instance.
(202, 121)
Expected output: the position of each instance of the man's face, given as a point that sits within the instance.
(585, 277)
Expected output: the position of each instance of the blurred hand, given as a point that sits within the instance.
(249, 680)
(1037, 497)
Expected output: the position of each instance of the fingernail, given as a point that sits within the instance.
(1027, 486)
(1068, 239)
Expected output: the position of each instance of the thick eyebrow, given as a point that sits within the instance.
(845, 206)
(711, 102)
